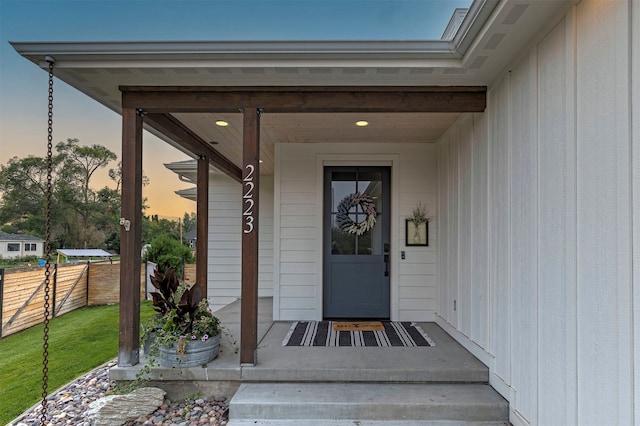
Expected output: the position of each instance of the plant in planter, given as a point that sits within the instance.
(184, 332)
(419, 215)
(419, 218)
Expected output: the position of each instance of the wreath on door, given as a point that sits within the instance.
(344, 221)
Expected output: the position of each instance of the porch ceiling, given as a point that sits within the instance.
(473, 59)
(316, 128)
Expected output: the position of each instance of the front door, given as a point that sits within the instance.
(356, 242)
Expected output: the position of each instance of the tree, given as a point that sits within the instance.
(80, 164)
(110, 204)
(154, 226)
(109, 221)
(23, 188)
(188, 222)
(116, 176)
(79, 215)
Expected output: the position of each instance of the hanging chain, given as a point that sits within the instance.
(47, 268)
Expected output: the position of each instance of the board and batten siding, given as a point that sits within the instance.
(635, 196)
(225, 240)
(541, 272)
(298, 222)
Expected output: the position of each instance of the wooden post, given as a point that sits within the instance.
(250, 213)
(130, 238)
(86, 298)
(54, 289)
(1, 297)
(202, 225)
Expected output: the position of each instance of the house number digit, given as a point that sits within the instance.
(249, 186)
(248, 199)
(249, 210)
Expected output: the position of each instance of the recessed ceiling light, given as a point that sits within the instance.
(362, 123)
(222, 123)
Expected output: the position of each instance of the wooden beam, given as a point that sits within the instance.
(202, 225)
(174, 129)
(307, 89)
(130, 238)
(250, 213)
(307, 99)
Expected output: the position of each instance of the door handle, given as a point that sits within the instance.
(386, 265)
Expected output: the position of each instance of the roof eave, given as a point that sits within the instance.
(78, 52)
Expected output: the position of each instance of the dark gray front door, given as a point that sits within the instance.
(356, 251)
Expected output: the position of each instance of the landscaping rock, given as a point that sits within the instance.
(75, 398)
(114, 410)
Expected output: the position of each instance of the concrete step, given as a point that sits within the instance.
(358, 423)
(356, 403)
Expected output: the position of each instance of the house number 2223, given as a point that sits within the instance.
(248, 199)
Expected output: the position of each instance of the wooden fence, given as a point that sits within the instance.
(71, 286)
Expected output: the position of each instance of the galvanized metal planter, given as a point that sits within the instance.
(196, 353)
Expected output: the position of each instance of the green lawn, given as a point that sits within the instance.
(78, 342)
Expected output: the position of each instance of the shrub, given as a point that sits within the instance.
(168, 253)
(18, 262)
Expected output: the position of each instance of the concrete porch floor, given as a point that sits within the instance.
(447, 362)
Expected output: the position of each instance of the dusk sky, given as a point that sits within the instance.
(23, 86)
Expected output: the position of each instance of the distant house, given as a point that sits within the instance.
(18, 245)
(190, 238)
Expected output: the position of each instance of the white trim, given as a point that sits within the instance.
(485, 357)
(356, 161)
(571, 213)
(82, 51)
(516, 418)
(319, 236)
(476, 18)
(635, 196)
(624, 217)
(276, 232)
(395, 219)
(501, 387)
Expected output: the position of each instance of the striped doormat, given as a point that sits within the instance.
(323, 333)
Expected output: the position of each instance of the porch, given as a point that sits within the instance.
(444, 380)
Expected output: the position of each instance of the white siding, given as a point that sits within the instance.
(557, 228)
(452, 225)
(479, 303)
(443, 219)
(635, 195)
(225, 240)
(417, 182)
(523, 236)
(298, 287)
(551, 164)
(300, 222)
(603, 226)
(499, 109)
(465, 173)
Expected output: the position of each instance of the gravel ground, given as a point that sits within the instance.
(68, 405)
